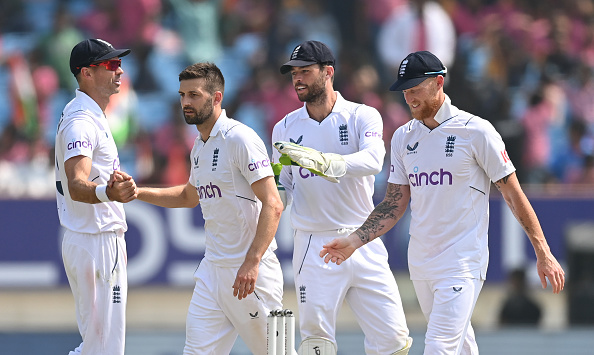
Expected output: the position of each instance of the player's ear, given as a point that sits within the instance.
(217, 98)
(85, 72)
(440, 81)
(329, 71)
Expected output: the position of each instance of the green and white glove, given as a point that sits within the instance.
(330, 166)
(277, 168)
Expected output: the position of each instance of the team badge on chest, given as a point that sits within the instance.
(449, 146)
(215, 159)
(343, 134)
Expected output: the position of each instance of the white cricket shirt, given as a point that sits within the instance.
(83, 130)
(223, 170)
(352, 130)
(449, 170)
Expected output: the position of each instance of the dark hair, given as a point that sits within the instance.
(207, 71)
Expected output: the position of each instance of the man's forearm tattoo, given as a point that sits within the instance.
(362, 235)
(523, 222)
(385, 210)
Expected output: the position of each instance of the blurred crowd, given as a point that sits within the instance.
(525, 65)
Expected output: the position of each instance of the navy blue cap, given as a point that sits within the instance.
(308, 53)
(417, 67)
(93, 50)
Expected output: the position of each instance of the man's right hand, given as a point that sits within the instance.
(121, 187)
(340, 249)
(330, 166)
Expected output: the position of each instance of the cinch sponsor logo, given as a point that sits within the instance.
(433, 178)
(373, 134)
(304, 173)
(208, 191)
(258, 164)
(79, 144)
(116, 163)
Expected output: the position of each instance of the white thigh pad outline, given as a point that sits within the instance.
(317, 346)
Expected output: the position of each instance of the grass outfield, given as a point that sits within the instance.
(165, 308)
(42, 321)
(519, 341)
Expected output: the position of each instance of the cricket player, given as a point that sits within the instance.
(239, 280)
(331, 195)
(443, 161)
(90, 210)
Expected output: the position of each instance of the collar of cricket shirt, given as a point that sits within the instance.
(446, 111)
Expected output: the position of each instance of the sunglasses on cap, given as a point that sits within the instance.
(112, 64)
(441, 72)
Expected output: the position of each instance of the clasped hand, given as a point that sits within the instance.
(121, 187)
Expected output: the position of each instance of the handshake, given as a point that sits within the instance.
(330, 166)
(121, 187)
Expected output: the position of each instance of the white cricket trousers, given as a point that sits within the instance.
(447, 305)
(216, 317)
(364, 280)
(95, 265)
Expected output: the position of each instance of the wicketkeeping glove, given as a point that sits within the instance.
(330, 166)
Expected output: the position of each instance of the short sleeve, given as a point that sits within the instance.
(250, 155)
(397, 170)
(80, 138)
(490, 152)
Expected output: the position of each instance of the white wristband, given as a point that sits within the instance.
(101, 193)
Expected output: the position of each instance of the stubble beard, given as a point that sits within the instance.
(316, 93)
(199, 117)
(428, 110)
